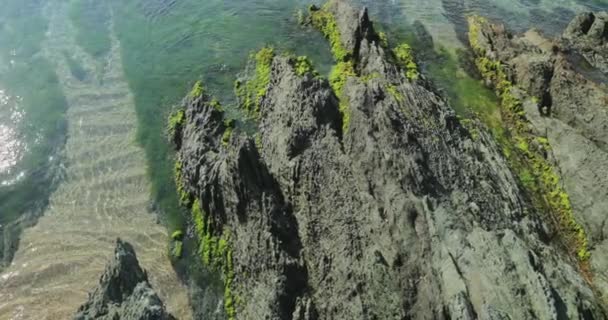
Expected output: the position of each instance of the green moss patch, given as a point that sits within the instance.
(337, 79)
(325, 22)
(467, 95)
(228, 132)
(394, 92)
(536, 173)
(197, 90)
(251, 92)
(177, 245)
(383, 39)
(176, 121)
(405, 58)
(177, 235)
(215, 104)
(184, 197)
(303, 66)
(215, 252)
(339, 74)
(177, 250)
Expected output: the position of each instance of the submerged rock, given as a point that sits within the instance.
(365, 197)
(568, 106)
(123, 292)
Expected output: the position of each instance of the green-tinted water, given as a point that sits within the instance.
(33, 111)
(190, 40)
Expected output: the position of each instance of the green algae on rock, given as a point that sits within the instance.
(176, 120)
(469, 97)
(324, 21)
(404, 193)
(254, 89)
(537, 173)
(303, 66)
(228, 133)
(214, 251)
(405, 58)
(197, 90)
(337, 78)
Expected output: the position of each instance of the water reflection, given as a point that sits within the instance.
(8, 152)
(11, 146)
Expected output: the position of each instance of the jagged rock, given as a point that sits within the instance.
(401, 216)
(123, 292)
(571, 111)
(588, 34)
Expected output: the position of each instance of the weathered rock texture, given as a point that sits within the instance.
(588, 34)
(402, 216)
(124, 292)
(571, 110)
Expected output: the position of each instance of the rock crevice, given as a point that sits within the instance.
(565, 106)
(402, 215)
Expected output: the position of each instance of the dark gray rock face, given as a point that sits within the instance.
(572, 113)
(123, 292)
(402, 216)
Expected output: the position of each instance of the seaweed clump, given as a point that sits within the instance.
(214, 250)
(405, 58)
(324, 21)
(251, 93)
(528, 156)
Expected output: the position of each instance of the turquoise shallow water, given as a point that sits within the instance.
(169, 44)
(166, 45)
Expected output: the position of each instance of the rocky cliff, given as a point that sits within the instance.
(123, 292)
(555, 91)
(364, 196)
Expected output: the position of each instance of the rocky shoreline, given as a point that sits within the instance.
(560, 115)
(364, 196)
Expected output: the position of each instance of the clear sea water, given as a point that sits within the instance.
(85, 89)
